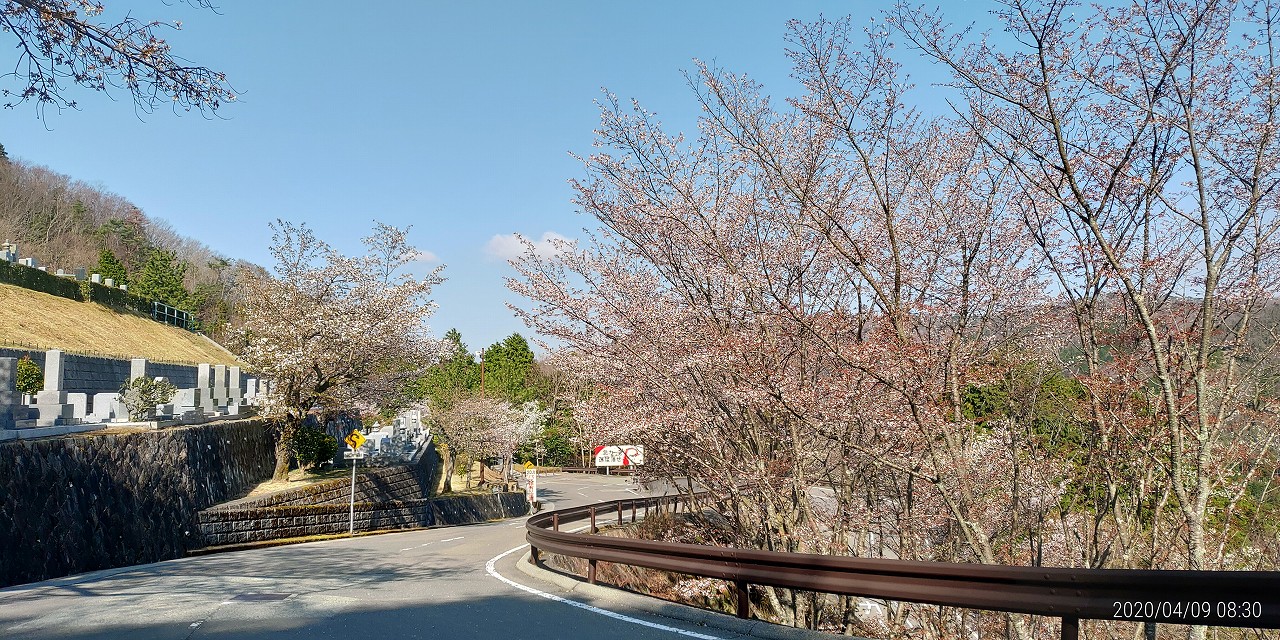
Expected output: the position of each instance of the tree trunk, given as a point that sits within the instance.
(446, 467)
(283, 452)
(282, 459)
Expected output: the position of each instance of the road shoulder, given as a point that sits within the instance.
(623, 601)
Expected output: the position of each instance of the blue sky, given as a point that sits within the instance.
(457, 118)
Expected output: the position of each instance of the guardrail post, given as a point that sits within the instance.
(633, 511)
(593, 523)
(1149, 630)
(555, 522)
(742, 599)
(533, 554)
(619, 513)
(1070, 628)
(591, 571)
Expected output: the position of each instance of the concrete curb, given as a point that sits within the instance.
(612, 598)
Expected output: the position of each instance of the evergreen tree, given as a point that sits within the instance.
(161, 279)
(455, 375)
(507, 368)
(109, 266)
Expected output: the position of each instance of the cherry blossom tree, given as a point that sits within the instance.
(1013, 334)
(62, 42)
(1145, 138)
(484, 427)
(330, 330)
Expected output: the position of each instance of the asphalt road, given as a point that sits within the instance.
(418, 584)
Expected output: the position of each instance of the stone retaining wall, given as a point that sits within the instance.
(83, 503)
(389, 484)
(256, 524)
(93, 374)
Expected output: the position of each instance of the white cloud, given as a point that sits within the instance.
(423, 257)
(508, 247)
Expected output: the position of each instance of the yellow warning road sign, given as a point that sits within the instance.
(354, 439)
(528, 465)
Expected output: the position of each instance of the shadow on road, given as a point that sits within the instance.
(311, 617)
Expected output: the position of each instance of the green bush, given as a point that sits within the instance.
(30, 378)
(141, 395)
(311, 446)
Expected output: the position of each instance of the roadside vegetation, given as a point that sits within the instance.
(1028, 318)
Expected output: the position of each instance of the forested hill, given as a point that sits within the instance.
(67, 224)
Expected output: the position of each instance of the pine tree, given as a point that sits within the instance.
(161, 279)
(109, 266)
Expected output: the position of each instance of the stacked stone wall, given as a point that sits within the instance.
(388, 484)
(257, 524)
(85, 503)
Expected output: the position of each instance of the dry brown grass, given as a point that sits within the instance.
(39, 320)
(297, 478)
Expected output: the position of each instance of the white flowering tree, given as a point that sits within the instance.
(490, 427)
(329, 330)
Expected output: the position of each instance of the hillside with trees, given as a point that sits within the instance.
(64, 223)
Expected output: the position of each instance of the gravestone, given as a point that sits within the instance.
(96, 278)
(53, 392)
(251, 391)
(187, 403)
(109, 282)
(10, 399)
(79, 405)
(234, 393)
(137, 368)
(219, 384)
(204, 376)
(52, 415)
(9, 382)
(107, 407)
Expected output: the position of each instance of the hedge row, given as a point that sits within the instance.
(63, 287)
(113, 297)
(28, 278)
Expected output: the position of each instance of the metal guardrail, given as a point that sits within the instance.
(1218, 598)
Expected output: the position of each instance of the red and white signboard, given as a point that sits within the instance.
(621, 455)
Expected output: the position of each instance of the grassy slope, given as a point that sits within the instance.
(33, 319)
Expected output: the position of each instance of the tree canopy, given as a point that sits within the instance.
(161, 278)
(68, 42)
(109, 266)
(333, 331)
(1038, 330)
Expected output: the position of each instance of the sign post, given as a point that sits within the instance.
(619, 455)
(353, 440)
(531, 485)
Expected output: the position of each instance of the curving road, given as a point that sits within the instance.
(419, 584)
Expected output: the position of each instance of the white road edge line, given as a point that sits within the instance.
(488, 567)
